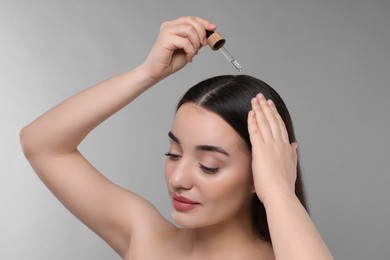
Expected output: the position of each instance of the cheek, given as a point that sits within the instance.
(167, 169)
(229, 189)
(226, 198)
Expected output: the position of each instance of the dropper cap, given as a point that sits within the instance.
(215, 40)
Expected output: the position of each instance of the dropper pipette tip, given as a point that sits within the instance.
(231, 59)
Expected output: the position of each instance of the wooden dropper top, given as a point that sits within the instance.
(215, 40)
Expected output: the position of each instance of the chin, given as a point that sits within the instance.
(184, 220)
(190, 221)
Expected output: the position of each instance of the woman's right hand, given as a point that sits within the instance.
(178, 42)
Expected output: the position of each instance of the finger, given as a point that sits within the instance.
(254, 132)
(200, 25)
(188, 31)
(196, 23)
(271, 118)
(182, 30)
(283, 129)
(176, 44)
(181, 43)
(280, 123)
(261, 118)
(207, 26)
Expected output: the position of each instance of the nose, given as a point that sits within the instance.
(180, 175)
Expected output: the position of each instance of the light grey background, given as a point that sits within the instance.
(330, 60)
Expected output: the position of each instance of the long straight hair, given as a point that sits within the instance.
(229, 97)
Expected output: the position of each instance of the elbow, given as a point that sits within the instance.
(26, 139)
(23, 138)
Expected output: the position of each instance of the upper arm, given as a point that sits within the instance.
(109, 210)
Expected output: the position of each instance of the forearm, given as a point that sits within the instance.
(61, 129)
(293, 234)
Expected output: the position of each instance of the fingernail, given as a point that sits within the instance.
(213, 24)
(260, 96)
(270, 102)
(255, 101)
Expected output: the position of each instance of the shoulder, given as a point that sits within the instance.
(153, 237)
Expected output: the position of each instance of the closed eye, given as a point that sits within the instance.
(208, 170)
(172, 156)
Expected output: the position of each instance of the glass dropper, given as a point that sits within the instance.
(230, 58)
(216, 41)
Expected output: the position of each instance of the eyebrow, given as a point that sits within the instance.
(207, 148)
(173, 137)
(211, 148)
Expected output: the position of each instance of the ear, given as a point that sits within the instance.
(294, 147)
(253, 189)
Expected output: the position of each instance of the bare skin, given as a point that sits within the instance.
(131, 225)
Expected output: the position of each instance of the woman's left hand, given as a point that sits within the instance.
(274, 159)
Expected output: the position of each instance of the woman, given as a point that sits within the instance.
(231, 168)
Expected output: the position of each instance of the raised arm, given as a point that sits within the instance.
(293, 234)
(50, 142)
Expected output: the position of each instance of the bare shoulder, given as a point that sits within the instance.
(162, 241)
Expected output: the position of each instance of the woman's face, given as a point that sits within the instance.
(208, 170)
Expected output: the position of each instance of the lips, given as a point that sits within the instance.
(181, 203)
